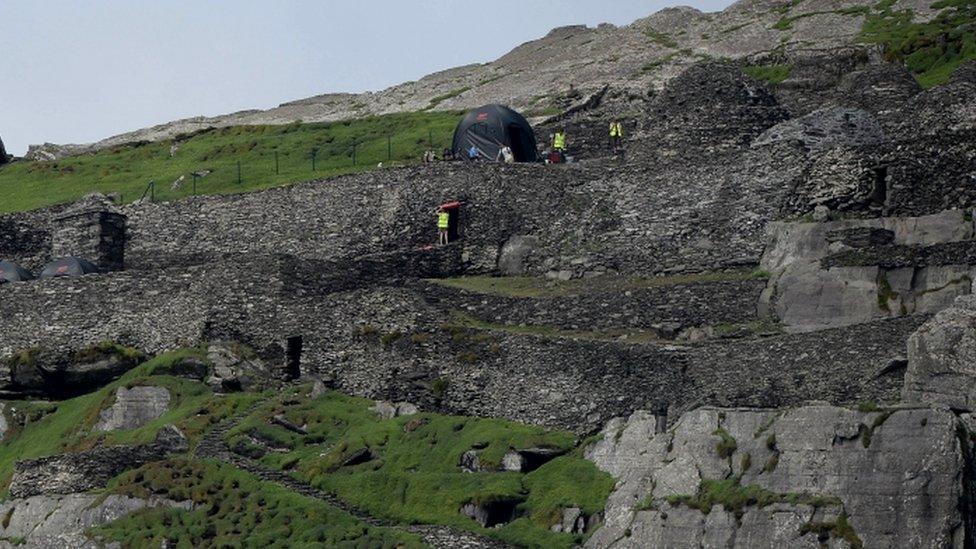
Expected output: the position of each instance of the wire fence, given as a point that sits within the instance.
(231, 169)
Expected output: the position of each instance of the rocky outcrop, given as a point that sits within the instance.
(942, 359)
(83, 471)
(827, 128)
(4, 158)
(809, 290)
(62, 521)
(795, 477)
(134, 408)
(235, 368)
(65, 372)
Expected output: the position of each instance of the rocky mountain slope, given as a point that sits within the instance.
(754, 329)
(544, 77)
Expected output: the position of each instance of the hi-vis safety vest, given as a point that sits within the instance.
(559, 141)
(443, 220)
(616, 130)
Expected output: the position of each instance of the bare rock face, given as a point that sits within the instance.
(942, 358)
(134, 408)
(61, 521)
(235, 369)
(3, 154)
(822, 277)
(814, 475)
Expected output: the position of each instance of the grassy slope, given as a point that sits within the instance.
(933, 50)
(234, 509)
(66, 426)
(416, 477)
(128, 169)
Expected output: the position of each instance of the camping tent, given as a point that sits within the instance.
(12, 272)
(68, 266)
(490, 128)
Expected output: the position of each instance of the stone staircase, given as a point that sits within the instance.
(212, 446)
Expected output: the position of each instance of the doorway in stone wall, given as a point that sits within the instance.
(293, 357)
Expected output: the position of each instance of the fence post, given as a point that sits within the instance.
(152, 191)
(240, 180)
(314, 152)
(430, 139)
(389, 148)
(276, 164)
(353, 153)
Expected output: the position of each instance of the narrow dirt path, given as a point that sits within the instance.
(212, 445)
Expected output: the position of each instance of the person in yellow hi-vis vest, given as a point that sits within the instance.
(616, 134)
(443, 224)
(559, 140)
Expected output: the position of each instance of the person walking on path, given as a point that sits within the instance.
(616, 135)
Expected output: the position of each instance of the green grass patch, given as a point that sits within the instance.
(127, 169)
(415, 474)
(661, 39)
(774, 74)
(234, 509)
(933, 50)
(735, 498)
(444, 97)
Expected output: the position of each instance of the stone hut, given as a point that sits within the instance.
(93, 229)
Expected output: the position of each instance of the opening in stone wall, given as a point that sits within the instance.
(880, 192)
(293, 357)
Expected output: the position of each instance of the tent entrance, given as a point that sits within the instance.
(523, 151)
(293, 357)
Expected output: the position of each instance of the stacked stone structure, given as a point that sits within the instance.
(91, 229)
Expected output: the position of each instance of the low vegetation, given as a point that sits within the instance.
(413, 471)
(234, 509)
(932, 50)
(736, 498)
(774, 74)
(128, 169)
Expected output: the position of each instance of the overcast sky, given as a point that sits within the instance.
(78, 71)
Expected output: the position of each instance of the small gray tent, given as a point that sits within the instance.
(68, 266)
(492, 127)
(12, 272)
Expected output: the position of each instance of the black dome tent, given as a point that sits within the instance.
(68, 266)
(12, 272)
(490, 128)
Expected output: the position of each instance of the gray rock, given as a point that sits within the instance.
(134, 408)
(4, 425)
(515, 251)
(942, 359)
(235, 370)
(388, 410)
(3, 154)
(868, 465)
(61, 521)
(827, 128)
(71, 473)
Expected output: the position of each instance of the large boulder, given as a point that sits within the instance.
(942, 358)
(791, 478)
(134, 408)
(62, 521)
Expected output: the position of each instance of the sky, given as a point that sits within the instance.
(79, 71)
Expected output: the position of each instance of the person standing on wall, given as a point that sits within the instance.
(616, 135)
(443, 224)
